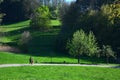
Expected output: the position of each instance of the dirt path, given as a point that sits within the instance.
(17, 65)
(9, 49)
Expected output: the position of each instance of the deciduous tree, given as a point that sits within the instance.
(41, 18)
(81, 43)
(108, 52)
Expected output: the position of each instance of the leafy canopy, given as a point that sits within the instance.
(41, 18)
(82, 43)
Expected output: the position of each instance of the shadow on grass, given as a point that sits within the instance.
(18, 31)
(58, 62)
(116, 66)
(43, 45)
(65, 62)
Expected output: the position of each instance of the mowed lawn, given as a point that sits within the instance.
(59, 73)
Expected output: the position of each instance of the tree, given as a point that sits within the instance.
(41, 18)
(63, 10)
(54, 7)
(92, 44)
(24, 40)
(1, 29)
(17, 10)
(69, 20)
(108, 52)
(1, 18)
(1, 1)
(28, 7)
(82, 43)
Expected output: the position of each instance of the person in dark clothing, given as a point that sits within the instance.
(31, 61)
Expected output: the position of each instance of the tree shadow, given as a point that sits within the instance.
(43, 44)
(18, 31)
(116, 66)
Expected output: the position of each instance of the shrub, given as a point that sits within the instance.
(24, 40)
(41, 18)
(108, 52)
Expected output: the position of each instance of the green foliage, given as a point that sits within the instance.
(24, 40)
(108, 52)
(40, 46)
(62, 11)
(13, 31)
(78, 43)
(25, 37)
(41, 18)
(92, 44)
(103, 22)
(17, 10)
(1, 1)
(82, 43)
(54, 14)
(70, 17)
(1, 28)
(1, 16)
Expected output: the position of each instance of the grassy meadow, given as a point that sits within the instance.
(41, 47)
(59, 73)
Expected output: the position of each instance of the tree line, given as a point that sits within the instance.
(18, 10)
(89, 27)
(103, 20)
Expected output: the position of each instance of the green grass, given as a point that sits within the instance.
(55, 23)
(42, 41)
(9, 58)
(41, 47)
(15, 26)
(12, 58)
(59, 73)
(13, 31)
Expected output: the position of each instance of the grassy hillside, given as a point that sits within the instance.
(59, 73)
(13, 31)
(43, 40)
(41, 47)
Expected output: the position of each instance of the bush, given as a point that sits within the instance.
(24, 40)
(41, 18)
(108, 52)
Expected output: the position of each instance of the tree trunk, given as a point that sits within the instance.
(78, 58)
(107, 59)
